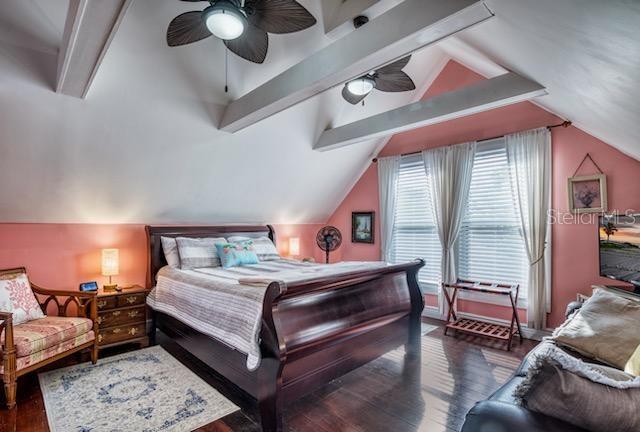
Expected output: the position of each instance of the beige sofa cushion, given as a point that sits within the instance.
(606, 328)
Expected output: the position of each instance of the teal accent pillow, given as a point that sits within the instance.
(236, 254)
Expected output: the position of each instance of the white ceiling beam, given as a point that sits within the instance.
(402, 30)
(89, 30)
(496, 92)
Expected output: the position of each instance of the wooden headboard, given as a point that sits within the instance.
(155, 258)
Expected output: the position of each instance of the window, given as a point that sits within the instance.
(490, 244)
(415, 234)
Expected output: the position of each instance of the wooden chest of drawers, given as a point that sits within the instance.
(122, 317)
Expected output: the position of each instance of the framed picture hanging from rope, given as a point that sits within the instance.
(588, 193)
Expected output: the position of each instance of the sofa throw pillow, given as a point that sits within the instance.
(264, 247)
(237, 254)
(170, 249)
(198, 252)
(593, 397)
(605, 328)
(633, 364)
(16, 297)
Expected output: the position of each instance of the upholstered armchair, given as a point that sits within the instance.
(32, 339)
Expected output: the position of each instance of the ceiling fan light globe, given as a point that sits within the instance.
(225, 21)
(361, 86)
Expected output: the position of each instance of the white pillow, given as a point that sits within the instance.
(264, 247)
(198, 252)
(16, 297)
(170, 249)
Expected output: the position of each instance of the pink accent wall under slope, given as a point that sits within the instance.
(575, 247)
(60, 256)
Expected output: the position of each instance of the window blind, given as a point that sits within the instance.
(490, 244)
(415, 234)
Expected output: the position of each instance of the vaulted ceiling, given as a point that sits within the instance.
(144, 145)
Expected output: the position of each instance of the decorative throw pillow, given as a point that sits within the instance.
(237, 254)
(170, 249)
(264, 247)
(605, 328)
(593, 397)
(16, 297)
(198, 252)
(633, 364)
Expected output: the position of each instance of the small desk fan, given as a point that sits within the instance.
(329, 239)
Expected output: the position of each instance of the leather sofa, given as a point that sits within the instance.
(499, 413)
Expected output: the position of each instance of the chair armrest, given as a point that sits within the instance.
(7, 326)
(61, 293)
(85, 301)
(497, 416)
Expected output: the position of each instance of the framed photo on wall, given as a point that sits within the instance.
(363, 227)
(588, 194)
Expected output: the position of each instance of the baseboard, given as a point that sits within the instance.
(527, 333)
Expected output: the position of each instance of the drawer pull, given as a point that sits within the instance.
(116, 331)
(116, 313)
(99, 320)
(102, 303)
(133, 314)
(132, 300)
(100, 337)
(133, 331)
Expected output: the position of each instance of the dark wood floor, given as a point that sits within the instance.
(431, 395)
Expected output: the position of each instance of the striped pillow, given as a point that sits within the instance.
(264, 247)
(198, 252)
(170, 249)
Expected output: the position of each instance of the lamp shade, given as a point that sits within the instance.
(294, 246)
(110, 262)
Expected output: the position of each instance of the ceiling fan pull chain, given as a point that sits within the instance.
(226, 70)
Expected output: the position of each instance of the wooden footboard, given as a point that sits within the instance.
(312, 332)
(319, 330)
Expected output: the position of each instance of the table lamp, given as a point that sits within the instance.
(110, 267)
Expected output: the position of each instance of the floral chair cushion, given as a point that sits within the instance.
(37, 357)
(47, 332)
(17, 297)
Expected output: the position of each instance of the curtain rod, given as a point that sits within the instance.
(564, 124)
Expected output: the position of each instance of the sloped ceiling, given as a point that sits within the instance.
(585, 52)
(144, 147)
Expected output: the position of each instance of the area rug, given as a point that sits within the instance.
(146, 391)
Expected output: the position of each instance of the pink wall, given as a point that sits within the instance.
(575, 247)
(60, 256)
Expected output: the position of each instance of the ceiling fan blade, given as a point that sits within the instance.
(396, 66)
(252, 45)
(394, 82)
(279, 16)
(187, 28)
(351, 98)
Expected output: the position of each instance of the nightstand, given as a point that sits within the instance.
(122, 317)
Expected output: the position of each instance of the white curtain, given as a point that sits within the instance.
(450, 170)
(388, 171)
(529, 155)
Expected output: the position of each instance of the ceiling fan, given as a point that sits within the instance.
(241, 24)
(389, 78)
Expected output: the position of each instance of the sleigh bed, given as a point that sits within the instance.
(311, 331)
